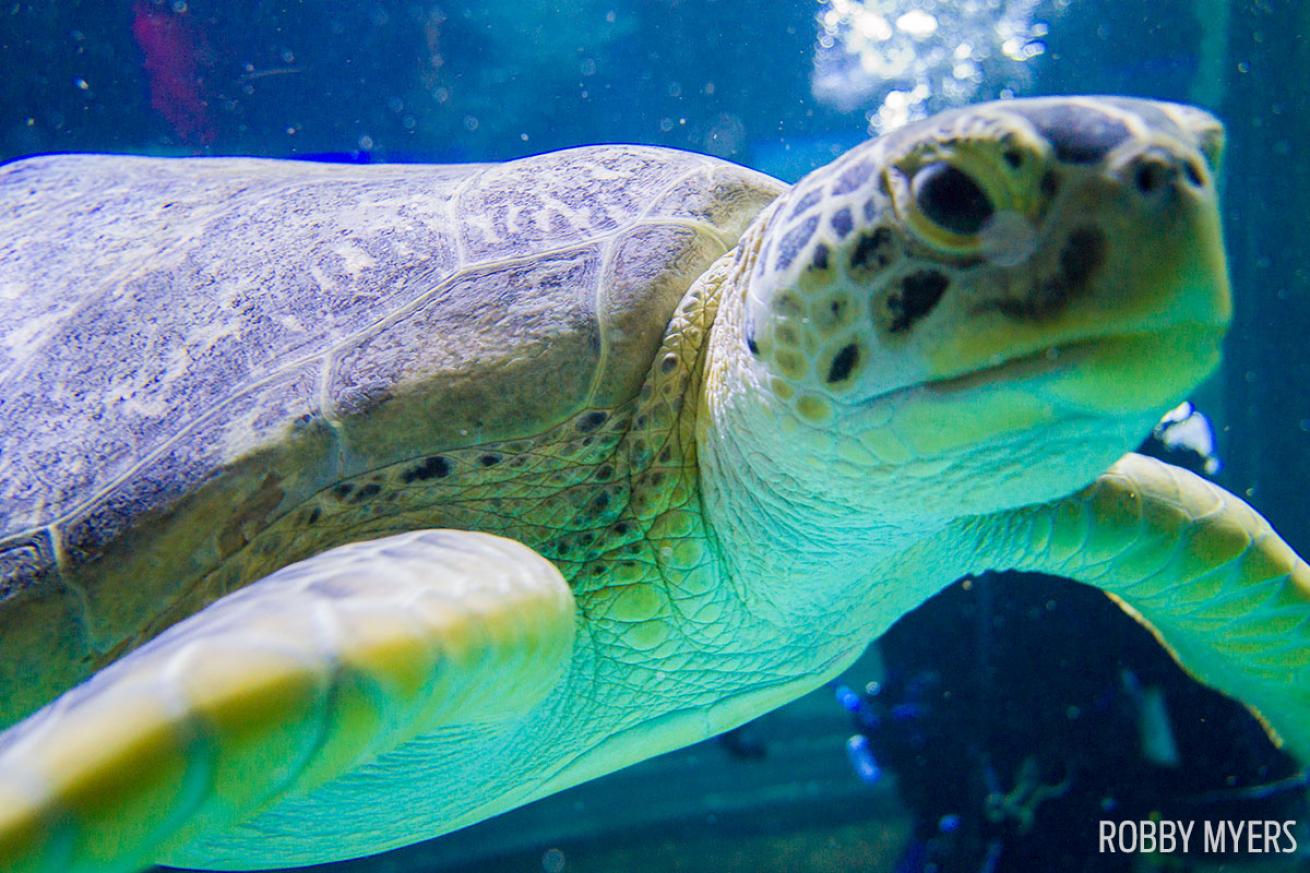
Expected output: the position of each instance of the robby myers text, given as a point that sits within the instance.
(1169, 836)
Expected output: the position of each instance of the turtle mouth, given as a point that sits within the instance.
(1106, 386)
(1105, 374)
(1034, 364)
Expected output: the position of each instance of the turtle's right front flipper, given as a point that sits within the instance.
(1195, 564)
(277, 688)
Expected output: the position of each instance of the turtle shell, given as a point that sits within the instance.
(191, 348)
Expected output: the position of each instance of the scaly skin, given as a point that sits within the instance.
(669, 651)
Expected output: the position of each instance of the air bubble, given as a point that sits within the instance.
(552, 861)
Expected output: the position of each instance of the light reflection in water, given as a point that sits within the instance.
(905, 59)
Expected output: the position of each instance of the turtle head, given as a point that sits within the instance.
(985, 309)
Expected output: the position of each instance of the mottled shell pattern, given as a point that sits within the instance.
(191, 349)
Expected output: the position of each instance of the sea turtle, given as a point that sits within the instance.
(438, 489)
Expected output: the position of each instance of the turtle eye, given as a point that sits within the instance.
(950, 199)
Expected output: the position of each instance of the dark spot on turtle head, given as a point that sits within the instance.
(1049, 289)
(843, 363)
(605, 473)
(1050, 184)
(751, 344)
(1013, 157)
(870, 210)
(591, 421)
(842, 222)
(1082, 256)
(808, 200)
(343, 490)
(873, 251)
(795, 240)
(1079, 134)
(853, 178)
(621, 528)
(490, 459)
(666, 454)
(669, 364)
(314, 515)
(435, 467)
(916, 296)
(820, 259)
(748, 330)
(786, 304)
(601, 502)
(372, 489)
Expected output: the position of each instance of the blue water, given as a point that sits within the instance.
(754, 82)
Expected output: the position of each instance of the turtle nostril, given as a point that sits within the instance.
(1193, 173)
(1152, 174)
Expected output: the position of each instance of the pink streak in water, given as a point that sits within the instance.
(170, 45)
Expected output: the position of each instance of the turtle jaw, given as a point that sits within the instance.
(1116, 382)
(1107, 374)
(1044, 421)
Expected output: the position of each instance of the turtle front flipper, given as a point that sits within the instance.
(276, 689)
(1195, 564)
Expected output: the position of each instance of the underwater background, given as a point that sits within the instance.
(989, 730)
